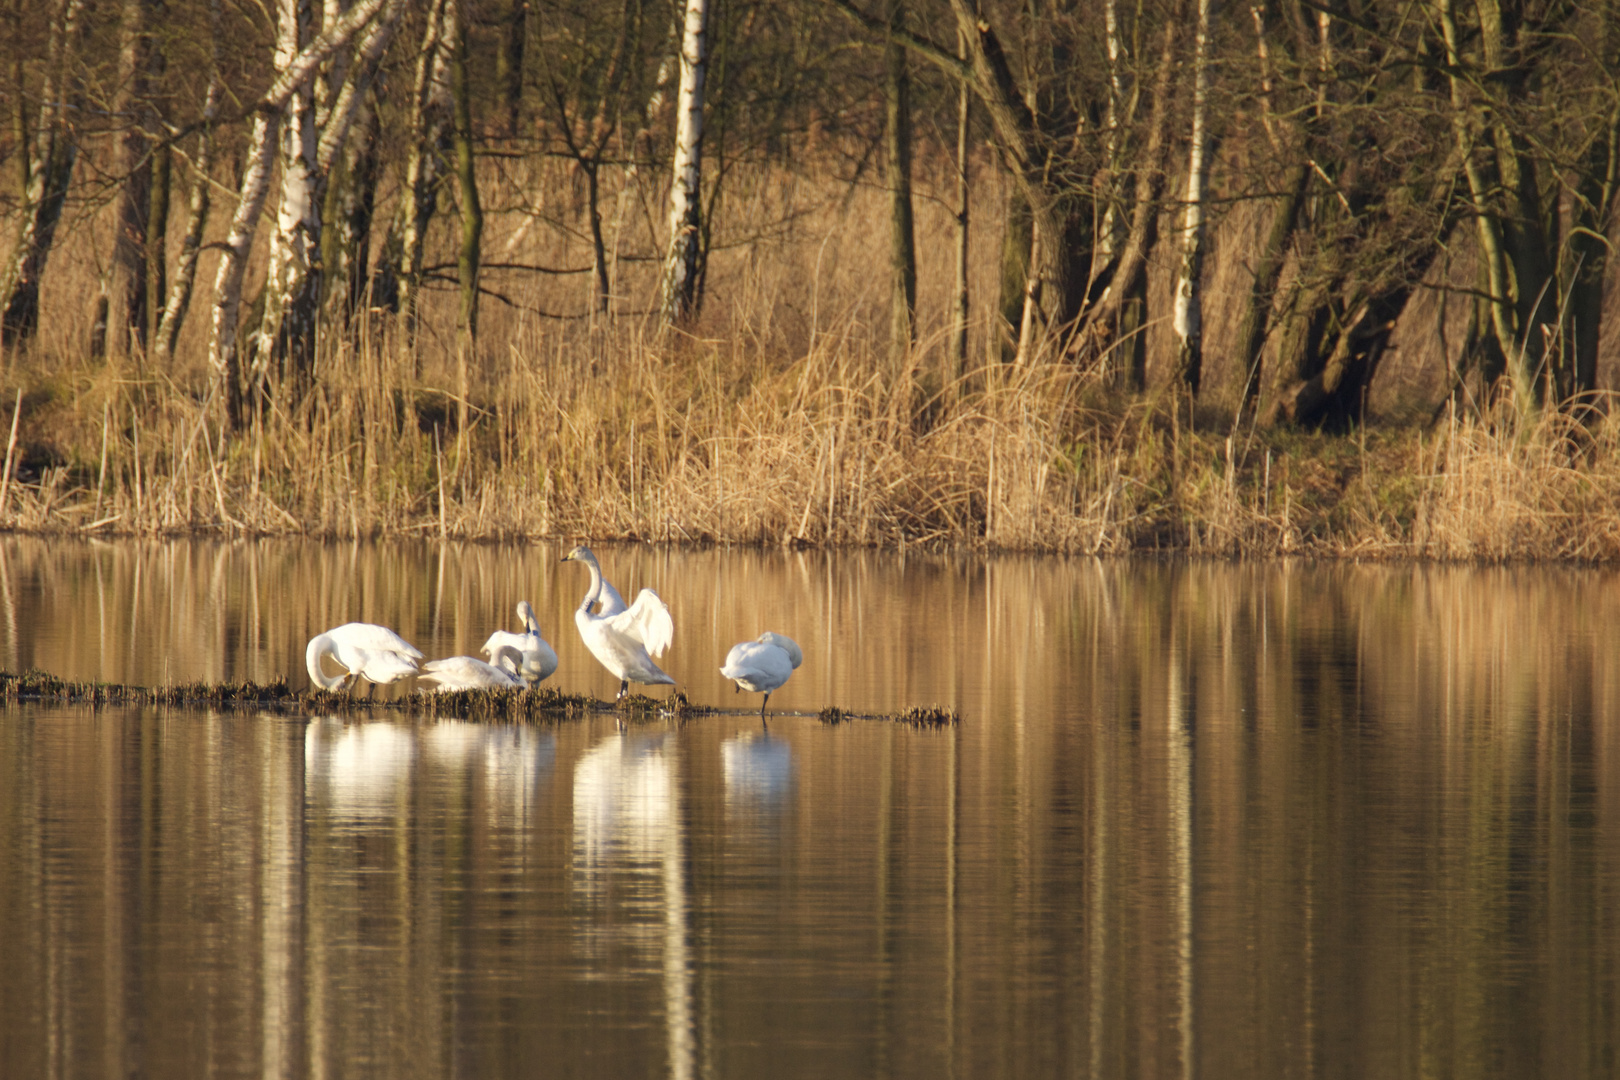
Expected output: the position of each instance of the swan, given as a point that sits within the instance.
(762, 664)
(539, 658)
(471, 673)
(366, 649)
(625, 642)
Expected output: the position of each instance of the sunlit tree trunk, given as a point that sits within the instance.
(1125, 290)
(902, 243)
(678, 293)
(286, 344)
(49, 169)
(399, 270)
(223, 352)
(346, 160)
(131, 106)
(1188, 314)
(185, 271)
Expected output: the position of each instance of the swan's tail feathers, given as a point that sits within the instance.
(648, 621)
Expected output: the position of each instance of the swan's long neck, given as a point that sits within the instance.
(318, 645)
(595, 590)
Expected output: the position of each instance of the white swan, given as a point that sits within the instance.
(627, 641)
(471, 673)
(539, 658)
(762, 664)
(366, 650)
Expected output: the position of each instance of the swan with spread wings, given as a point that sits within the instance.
(625, 642)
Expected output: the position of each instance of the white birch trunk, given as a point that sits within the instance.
(679, 292)
(223, 360)
(426, 166)
(1188, 315)
(287, 333)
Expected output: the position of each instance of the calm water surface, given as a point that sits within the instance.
(1207, 820)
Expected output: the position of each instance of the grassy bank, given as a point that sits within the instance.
(616, 437)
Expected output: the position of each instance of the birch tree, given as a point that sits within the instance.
(399, 269)
(132, 107)
(1188, 317)
(678, 292)
(293, 74)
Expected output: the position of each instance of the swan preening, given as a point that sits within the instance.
(626, 640)
(623, 638)
(471, 673)
(539, 659)
(762, 664)
(367, 650)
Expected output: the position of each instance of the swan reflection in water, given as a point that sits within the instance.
(758, 771)
(629, 866)
(365, 771)
(359, 771)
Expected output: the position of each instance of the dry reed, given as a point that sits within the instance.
(779, 420)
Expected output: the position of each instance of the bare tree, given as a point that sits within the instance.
(678, 294)
(897, 155)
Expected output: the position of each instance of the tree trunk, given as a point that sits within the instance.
(1102, 324)
(224, 354)
(678, 293)
(472, 230)
(902, 244)
(185, 271)
(351, 200)
(1188, 317)
(957, 354)
(286, 346)
(132, 106)
(399, 270)
(157, 236)
(509, 63)
(1252, 326)
(49, 169)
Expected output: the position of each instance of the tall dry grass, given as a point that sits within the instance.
(778, 419)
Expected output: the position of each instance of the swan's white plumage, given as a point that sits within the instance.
(626, 642)
(367, 650)
(539, 658)
(762, 664)
(471, 673)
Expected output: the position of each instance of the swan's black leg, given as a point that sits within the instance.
(624, 688)
(762, 705)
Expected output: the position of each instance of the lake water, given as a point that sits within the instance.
(1213, 820)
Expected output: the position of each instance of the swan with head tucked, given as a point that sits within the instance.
(539, 658)
(367, 650)
(471, 673)
(624, 641)
(762, 664)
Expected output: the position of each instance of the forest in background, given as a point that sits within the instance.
(1279, 277)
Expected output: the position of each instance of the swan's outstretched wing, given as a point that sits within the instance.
(647, 621)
